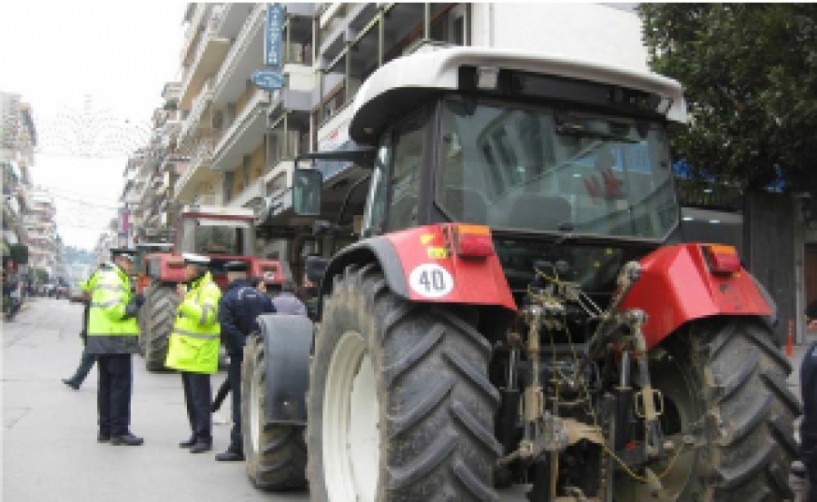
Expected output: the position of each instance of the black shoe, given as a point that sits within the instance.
(127, 440)
(189, 443)
(230, 456)
(103, 438)
(201, 447)
(68, 382)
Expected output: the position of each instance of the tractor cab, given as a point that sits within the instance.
(570, 167)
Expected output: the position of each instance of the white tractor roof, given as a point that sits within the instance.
(438, 70)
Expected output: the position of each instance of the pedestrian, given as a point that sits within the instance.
(86, 360)
(113, 335)
(193, 347)
(237, 312)
(286, 302)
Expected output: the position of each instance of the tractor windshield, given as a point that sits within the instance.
(549, 169)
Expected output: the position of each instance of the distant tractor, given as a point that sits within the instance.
(519, 308)
(223, 234)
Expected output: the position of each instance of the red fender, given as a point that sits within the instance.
(677, 285)
(434, 272)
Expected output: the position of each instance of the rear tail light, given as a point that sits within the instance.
(473, 241)
(723, 259)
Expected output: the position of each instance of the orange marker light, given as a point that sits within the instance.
(723, 259)
(473, 241)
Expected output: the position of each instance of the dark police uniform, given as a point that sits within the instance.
(237, 313)
(808, 426)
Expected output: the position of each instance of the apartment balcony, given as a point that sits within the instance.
(197, 171)
(199, 106)
(242, 60)
(233, 16)
(207, 61)
(252, 192)
(244, 134)
(193, 33)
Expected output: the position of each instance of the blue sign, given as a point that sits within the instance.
(268, 79)
(273, 34)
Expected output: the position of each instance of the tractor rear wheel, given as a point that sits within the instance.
(160, 312)
(275, 453)
(399, 404)
(144, 326)
(724, 381)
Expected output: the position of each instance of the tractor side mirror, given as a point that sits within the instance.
(315, 268)
(306, 192)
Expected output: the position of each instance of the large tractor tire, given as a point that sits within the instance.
(144, 326)
(275, 453)
(723, 381)
(399, 405)
(160, 312)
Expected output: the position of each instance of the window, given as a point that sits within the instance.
(375, 216)
(408, 162)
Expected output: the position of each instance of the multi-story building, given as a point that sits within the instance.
(41, 232)
(18, 137)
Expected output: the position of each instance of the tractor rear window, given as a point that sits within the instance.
(545, 169)
(215, 237)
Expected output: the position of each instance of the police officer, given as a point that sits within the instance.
(286, 302)
(193, 347)
(237, 313)
(113, 336)
(86, 361)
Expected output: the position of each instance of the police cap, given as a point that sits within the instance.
(126, 253)
(195, 259)
(236, 266)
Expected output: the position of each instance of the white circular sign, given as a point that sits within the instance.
(431, 280)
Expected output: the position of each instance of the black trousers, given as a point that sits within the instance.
(197, 398)
(234, 376)
(86, 362)
(113, 395)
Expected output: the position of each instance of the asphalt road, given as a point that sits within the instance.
(49, 443)
(49, 448)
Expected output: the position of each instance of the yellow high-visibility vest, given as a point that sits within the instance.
(194, 341)
(108, 333)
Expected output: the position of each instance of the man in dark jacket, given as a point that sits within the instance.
(237, 313)
(808, 426)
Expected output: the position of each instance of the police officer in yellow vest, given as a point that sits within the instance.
(193, 347)
(113, 336)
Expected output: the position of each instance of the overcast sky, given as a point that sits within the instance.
(93, 72)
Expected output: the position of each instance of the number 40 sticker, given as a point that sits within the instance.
(431, 280)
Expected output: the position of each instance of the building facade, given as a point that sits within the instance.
(18, 138)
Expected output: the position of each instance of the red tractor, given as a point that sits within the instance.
(519, 309)
(223, 234)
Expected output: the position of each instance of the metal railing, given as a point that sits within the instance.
(240, 45)
(202, 154)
